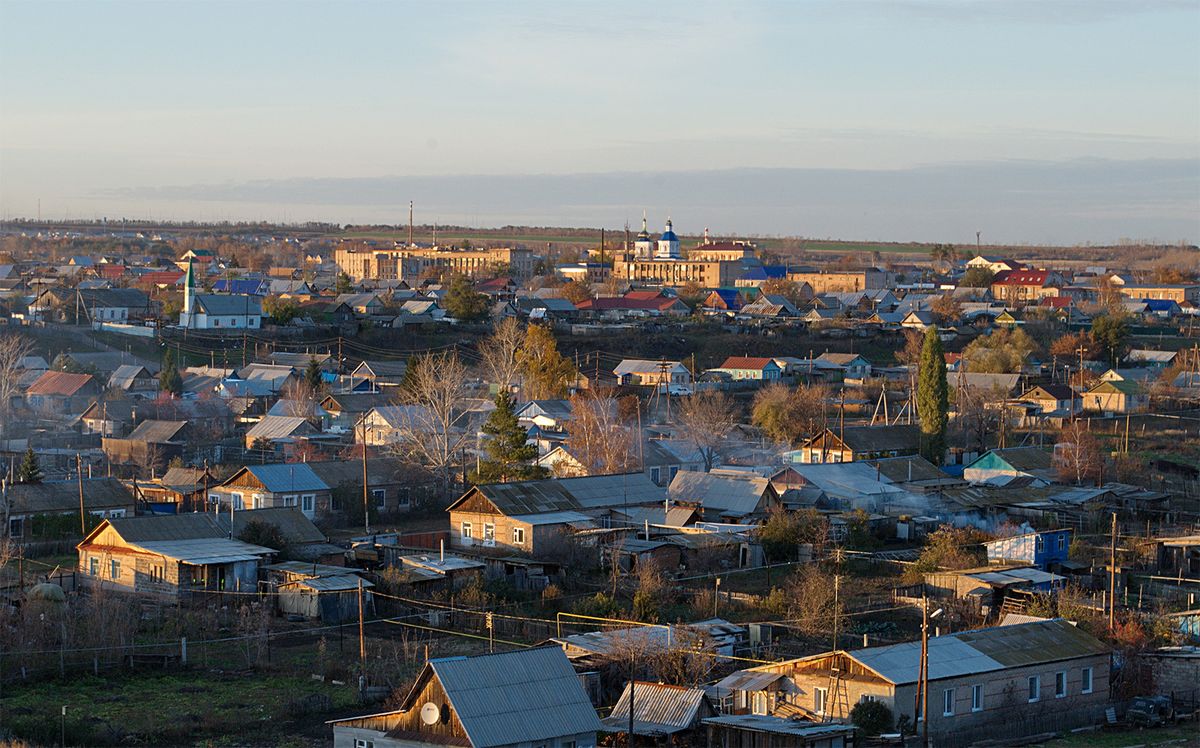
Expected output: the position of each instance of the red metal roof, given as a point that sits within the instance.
(745, 362)
(58, 383)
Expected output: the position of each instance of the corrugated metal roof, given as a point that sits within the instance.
(572, 494)
(202, 551)
(156, 432)
(748, 680)
(659, 708)
(514, 697)
(779, 726)
(725, 494)
(981, 651)
(287, 477)
(278, 427)
(339, 583)
(140, 530)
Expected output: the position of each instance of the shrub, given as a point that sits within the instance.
(872, 717)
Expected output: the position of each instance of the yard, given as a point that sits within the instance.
(1180, 735)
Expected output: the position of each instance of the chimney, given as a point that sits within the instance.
(706, 235)
(442, 551)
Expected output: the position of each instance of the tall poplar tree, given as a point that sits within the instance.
(169, 380)
(932, 398)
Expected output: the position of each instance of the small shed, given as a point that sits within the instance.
(316, 591)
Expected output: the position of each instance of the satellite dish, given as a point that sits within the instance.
(431, 714)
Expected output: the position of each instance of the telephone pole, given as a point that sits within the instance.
(79, 477)
(1112, 576)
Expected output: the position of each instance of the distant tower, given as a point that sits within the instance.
(643, 245)
(668, 245)
(189, 286)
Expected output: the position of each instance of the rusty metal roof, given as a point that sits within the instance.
(659, 709)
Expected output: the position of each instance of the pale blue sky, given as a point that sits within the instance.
(171, 109)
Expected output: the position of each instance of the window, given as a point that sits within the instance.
(948, 702)
(379, 495)
(1062, 542)
(1035, 688)
(674, 471)
(289, 501)
(363, 743)
(1060, 684)
(114, 569)
(465, 530)
(404, 495)
(819, 697)
(518, 536)
(306, 502)
(16, 527)
(1086, 674)
(655, 474)
(759, 703)
(236, 498)
(94, 566)
(977, 698)
(489, 532)
(568, 744)
(1041, 544)
(257, 501)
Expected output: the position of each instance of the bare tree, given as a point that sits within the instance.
(1077, 456)
(499, 352)
(13, 348)
(434, 428)
(705, 419)
(599, 438)
(300, 399)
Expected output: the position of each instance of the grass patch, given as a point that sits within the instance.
(169, 708)
(1177, 735)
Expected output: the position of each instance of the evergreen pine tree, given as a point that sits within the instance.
(932, 398)
(30, 470)
(312, 375)
(508, 456)
(169, 379)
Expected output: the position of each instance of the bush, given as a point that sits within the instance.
(872, 717)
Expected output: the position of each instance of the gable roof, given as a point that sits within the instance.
(876, 438)
(726, 494)
(507, 698)
(286, 477)
(755, 363)
(291, 522)
(567, 494)
(195, 539)
(51, 497)
(279, 427)
(59, 383)
(235, 305)
(156, 432)
(659, 709)
(982, 651)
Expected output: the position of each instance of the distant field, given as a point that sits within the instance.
(614, 238)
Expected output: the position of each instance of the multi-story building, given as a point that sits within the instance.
(1179, 292)
(666, 272)
(412, 263)
(842, 281)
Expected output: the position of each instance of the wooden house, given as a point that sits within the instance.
(274, 485)
(528, 697)
(1116, 397)
(31, 503)
(170, 556)
(854, 443)
(62, 393)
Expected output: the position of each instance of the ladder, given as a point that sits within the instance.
(837, 702)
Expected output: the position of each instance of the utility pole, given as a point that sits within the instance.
(918, 710)
(362, 641)
(79, 477)
(410, 223)
(1112, 576)
(366, 490)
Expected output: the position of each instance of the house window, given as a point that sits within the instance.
(1086, 678)
(674, 470)
(655, 474)
(16, 527)
(289, 501)
(1062, 542)
(489, 532)
(759, 703)
(1060, 684)
(216, 322)
(404, 495)
(257, 501)
(1041, 544)
(1035, 688)
(94, 566)
(948, 702)
(236, 498)
(977, 698)
(465, 530)
(114, 569)
(379, 494)
(518, 536)
(363, 743)
(307, 501)
(819, 697)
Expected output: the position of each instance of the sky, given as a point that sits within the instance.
(1031, 121)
